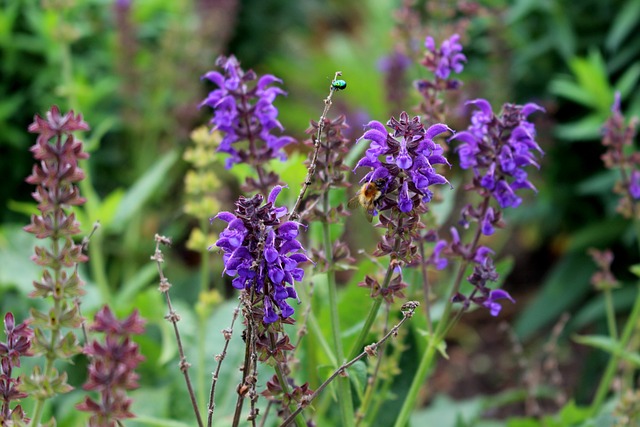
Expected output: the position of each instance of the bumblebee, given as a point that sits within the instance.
(368, 196)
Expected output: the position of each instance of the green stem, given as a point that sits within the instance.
(373, 311)
(204, 264)
(371, 317)
(610, 370)
(202, 318)
(50, 354)
(444, 325)
(344, 387)
(299, 419)
(611, 313)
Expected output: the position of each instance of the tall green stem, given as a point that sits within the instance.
(371, 317)
(439, 335)
(344, 387)
(610, 370)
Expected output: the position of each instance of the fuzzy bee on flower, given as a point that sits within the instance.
(369, 196)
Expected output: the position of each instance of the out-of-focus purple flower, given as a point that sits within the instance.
(394, 62)
(436, 259)
(394, 68)
(244, 111)
(17, 345)
(446, 60)
(262, 252)
(498, 148)
(404, 159)
(617, 135)
(634, 185)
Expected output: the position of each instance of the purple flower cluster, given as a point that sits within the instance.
(404, 160)
(497, 149)
(261, 252)
(617, 137)
(484, 271)
(17, 345)
(245, 112)
(446, 60)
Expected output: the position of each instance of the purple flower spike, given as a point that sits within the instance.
(497, 149)
(404, 158)
(446, 60)
(245, 113)
(260, 251)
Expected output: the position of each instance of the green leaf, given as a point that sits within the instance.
(635, 269)
(595, 309)
(585, 129)
(446, 412)
(108, 208)
(628, 81)
(623, 24)
(562, 32)
(565, 87)
(16, 267)
(358, 377)
(142, 190)
(565, 286)
(600, 233)
(142, 278)
(591, 74)
(609, 345)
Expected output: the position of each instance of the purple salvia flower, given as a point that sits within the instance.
(498, 148)
(245, 112)
(404, 159)
(483, 272)
(260, 251)
(490, 301)
(446, 60)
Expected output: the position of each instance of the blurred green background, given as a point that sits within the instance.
(133, 68)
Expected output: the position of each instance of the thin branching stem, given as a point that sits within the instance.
(250, 337)
(173, 317)
(425, 287)
(372, 381)
(316, 148)
(408, 309)
(219, 359)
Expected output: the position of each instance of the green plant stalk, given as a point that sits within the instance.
(373, 311)
(344, 387)
(427, 358)
(611, 313)
(205, 260)
(610, 370)
(202, 320)
(50, 355)
(371, 317)
(282, 379)
(444, 325)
